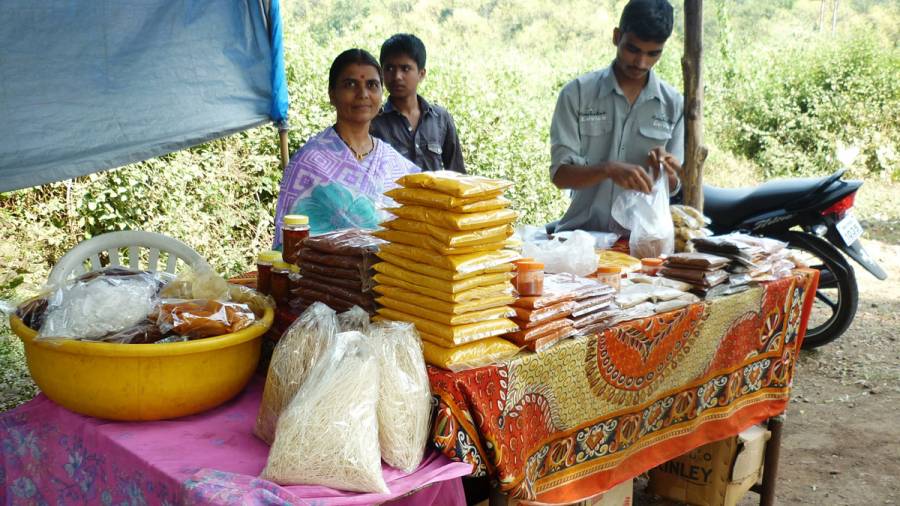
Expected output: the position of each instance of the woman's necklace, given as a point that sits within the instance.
(359, 156)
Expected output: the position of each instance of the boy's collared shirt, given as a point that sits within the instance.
(434, 145)
(594, 122)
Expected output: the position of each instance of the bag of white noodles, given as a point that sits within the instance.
(404, 403)
(355, 318)
(295, 355)
(328, 435)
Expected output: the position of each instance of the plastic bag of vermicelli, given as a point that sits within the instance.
(297, 352)
(328, 435)
(404, 404)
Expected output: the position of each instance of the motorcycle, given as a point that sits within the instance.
(813, 216)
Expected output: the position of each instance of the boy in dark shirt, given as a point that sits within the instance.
(424, 133)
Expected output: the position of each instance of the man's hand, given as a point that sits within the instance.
(669, 163)
(629, 176)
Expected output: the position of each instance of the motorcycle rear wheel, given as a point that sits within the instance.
(837, 295)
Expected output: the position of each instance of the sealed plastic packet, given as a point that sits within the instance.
(490, 297)
(455, 334)
(452, 238)
(427, 242)
(461, 265)
(328, 434)
(404, 403)
(201, 318)
(446, 318)
(455, 184)
(444, 281)
(648, 218)
(471, 355)
(456, 221)
(436, 199)
(297, 352)
(355, 318)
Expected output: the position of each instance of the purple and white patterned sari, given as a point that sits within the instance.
(325, 182)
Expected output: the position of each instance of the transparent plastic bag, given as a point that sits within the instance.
(201, 318)
(469, 356)
(328, 434)
(456, 221)
(404, 403)
(575, 255)
(197, 284)
(347, 242)
(296, 354)
(356, 318)
(100, 303)
(648, 218)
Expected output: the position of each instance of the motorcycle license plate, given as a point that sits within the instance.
(850, 229)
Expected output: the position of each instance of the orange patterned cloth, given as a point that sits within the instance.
(591, 412)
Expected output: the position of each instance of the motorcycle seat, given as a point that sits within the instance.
(731, 206)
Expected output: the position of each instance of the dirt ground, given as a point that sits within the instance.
(841, 439)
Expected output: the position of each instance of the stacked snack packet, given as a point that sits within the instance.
(569, 305)
(702, 270)
(336, 269)
(446, 268)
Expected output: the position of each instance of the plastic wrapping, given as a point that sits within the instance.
(98, 304)
(576, 255)
(359, 263)
(438, 314)
(455, 184)
(559, 326)
(404, 403)
(660, 281)
(648, 218)
(456, 221)
(307, 288)
(696, 277)
(436, 199)
(618, 259)
(591, 304)
(201, 318)
(197, 284)
(469, 356)
(354, 285)
(641, 310)
(427, 242)
(602, 240)
(458, 264)
(528, 318)
(297, 352)
(491, 298)
(456, 334)
(443, 284)
(354, 319)
(328, 434)
(145, 332)
(704, 261)
(562, 287)
(452, 238)
(33, 312)
(327, 271)
(728, 245)
(592, 319)
(348, 242)
(304, 297)
(497, 293)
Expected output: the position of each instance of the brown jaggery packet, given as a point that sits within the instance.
(357, 262)
(357, 285)
(329, 271)
(305, 285)
(305, 297)
(203, 318)
(348, 242)
(696, 277)
(705, 261)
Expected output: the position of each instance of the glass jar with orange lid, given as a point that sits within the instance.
(609, 274)
(651, 266)
(294, 230)
(264, 262)
(529, 280)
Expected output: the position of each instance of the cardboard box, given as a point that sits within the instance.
(717, 474)
(620, 495)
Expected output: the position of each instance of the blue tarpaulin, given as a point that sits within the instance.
(88, 85)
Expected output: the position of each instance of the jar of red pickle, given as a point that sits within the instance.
(264, 262)
(529, 280)
(294, 230)
(280, 286)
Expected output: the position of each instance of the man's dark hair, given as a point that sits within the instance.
(349, 57)
(404, 44)
(649, 20)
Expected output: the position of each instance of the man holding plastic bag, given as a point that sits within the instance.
(620, 129)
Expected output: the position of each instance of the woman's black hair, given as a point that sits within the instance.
(650, 20)
(350, 57)
(405, 44)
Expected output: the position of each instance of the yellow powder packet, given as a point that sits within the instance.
(454, 183)
(438, 200)
(456, 334)
(425, 241)
(459, 264)
(421, 299)
(452, 238)
(467, 356)
(455, 221)
(437, 313)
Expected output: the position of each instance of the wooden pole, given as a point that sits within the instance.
(283, 143)
(694, 150)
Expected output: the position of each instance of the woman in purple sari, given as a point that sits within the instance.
(338, 178)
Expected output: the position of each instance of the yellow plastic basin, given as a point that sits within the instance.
(134, 382)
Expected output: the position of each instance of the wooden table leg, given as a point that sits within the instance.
(770, 469)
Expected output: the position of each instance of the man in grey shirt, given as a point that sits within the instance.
(612, 123)
(424, 133)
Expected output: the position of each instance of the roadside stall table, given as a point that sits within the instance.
(591, 412)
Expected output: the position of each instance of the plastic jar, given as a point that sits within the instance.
(280, 287)
(264, 262)
(651, 266)
(611, 275)
(294, 230)
(529, 280)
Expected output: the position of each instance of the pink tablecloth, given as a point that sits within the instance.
(54, 456)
